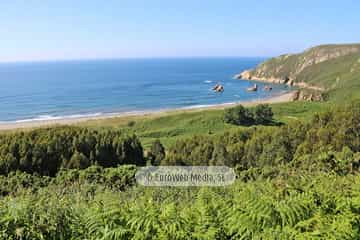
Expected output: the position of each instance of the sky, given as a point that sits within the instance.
(36, 30)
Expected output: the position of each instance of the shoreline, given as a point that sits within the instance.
(280, 98)
(247, 75)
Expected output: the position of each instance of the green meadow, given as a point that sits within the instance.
(168, 127)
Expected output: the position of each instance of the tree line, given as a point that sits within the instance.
(46, 151)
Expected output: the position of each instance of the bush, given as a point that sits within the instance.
(117, 179)
(263, 114)
(131, 123)
(238, 115)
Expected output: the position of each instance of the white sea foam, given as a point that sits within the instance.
(208, 105)
(208, 81)
(51, 117)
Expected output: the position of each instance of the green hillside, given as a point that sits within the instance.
(340, 76)
(335, 69)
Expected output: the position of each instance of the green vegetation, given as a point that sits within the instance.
(239, 115)
(341, 77)
(296, 179)
(156, 153)
(166, 127)
(327, 66)
(333, 68)
(328, 135)
(324, 206)
(263, 114)
(46, 151)
(119, 178)
(170, 127)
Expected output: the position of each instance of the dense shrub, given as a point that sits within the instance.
(45, 151)
(119, 178)
(18, 181)
(321, 206)
(263, 114)
(239, 115)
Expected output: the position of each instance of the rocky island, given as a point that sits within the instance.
(316, 71)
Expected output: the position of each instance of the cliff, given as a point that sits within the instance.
(315, 71)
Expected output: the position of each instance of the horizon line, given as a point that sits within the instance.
(120, 58)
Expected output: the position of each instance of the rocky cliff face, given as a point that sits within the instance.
(289, 68)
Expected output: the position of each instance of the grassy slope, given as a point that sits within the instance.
(269, 67)
(170, 127)
(327, 73)
(167, 127)
(337, 75)
(324, 74)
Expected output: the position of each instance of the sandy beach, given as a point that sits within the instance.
(286, 97)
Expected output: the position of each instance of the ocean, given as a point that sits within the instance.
(31, 91)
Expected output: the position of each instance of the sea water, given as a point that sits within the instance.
(68, 89)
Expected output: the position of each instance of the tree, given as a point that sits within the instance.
(263, 114)
(238, 115)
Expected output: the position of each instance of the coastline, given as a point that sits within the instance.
(246, 75)
(281, 98)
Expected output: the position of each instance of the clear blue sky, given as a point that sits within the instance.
(41, 30)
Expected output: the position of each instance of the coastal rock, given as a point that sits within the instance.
(237, 76)
(244, 75)
(295, 96)
(304, 95)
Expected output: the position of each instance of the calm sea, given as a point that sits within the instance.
(51, 90)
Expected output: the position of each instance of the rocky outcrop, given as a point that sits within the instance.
(218, 88)
(244, 75)
(249, 76)
(303, 95)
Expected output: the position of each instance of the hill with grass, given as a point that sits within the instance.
(330, 69)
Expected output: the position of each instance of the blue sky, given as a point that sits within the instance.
(42, 30)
